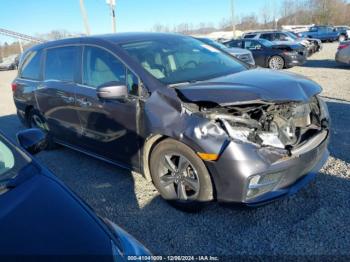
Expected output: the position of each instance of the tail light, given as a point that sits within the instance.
(14, 86)
(342, 46)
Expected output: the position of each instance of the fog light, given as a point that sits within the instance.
(261, 184)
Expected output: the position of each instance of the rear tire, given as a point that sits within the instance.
(276, 63)
(36, 120)
(180, 176)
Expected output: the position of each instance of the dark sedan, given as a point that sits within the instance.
(41, 219)
(192, 119)
(270, 55)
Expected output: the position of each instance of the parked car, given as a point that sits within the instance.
(240, 53)
(270, 55)
(324, 33)
(281, 37)
(9, 63)
(316, 44)
(195, 121)
(40, 216)
(343, 53)
(344, 32)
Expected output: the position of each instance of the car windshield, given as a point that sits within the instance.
(265, 42)
(291, 35)
(11, 160)
(212, 43)
(182, 59)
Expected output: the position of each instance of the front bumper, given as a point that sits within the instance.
(341, 57)
(295, 60)
(240, 161)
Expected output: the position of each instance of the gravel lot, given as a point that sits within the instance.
(314, 222)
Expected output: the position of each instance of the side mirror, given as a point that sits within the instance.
(112, 91)
(32, 140)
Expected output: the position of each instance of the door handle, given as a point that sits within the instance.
(84, 102)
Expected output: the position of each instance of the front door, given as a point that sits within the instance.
(109, 126)
(257, 50)
(56, 93)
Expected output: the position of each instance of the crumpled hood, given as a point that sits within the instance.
(251, 86)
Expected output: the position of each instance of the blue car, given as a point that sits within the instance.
(40, 218)
(324, 33)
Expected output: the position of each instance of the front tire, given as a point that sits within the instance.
(180, 176)
(276, 63)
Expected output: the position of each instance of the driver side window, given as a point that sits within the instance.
(252, 45)
(101, 67)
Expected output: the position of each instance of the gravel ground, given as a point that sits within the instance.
(313, 222)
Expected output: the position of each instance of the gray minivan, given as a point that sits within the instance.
(197, 122)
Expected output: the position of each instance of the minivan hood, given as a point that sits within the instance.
(251, 86)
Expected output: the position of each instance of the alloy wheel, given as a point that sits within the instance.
(178, 177)
(276, 63)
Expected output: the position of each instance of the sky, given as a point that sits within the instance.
(41, 16)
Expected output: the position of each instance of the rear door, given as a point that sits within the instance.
(109, 126)
(56, 93)
(29, 78)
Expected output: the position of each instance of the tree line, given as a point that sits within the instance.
(274, 13)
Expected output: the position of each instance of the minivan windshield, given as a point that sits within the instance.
(212, 43)
(182, 59)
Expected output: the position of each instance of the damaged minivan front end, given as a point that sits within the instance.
(271, 149)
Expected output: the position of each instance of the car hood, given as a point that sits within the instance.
(251, 86)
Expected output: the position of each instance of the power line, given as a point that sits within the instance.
(20, 36)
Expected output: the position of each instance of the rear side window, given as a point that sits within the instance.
(30, 68)
(101, 67)
(62, 63)
(267, 37)
(249, 36)
(235, 44)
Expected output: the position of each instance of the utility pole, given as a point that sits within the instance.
(85, 17)
(20, 45)
(111, 4)
(233, 19)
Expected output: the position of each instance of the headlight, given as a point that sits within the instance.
(261, 184)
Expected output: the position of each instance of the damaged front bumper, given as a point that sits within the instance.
(254, 176)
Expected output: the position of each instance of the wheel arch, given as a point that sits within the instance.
(148, 146)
